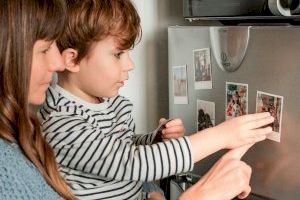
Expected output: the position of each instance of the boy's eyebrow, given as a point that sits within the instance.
(117, 49)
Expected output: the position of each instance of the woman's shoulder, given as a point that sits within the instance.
(19, 178)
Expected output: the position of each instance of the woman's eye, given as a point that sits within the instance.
(46, 50)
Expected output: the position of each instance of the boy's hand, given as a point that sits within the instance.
(244, 129)
(172, 129)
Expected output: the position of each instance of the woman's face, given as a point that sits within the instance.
(46, 59)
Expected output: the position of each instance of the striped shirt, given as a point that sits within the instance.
(98, 153)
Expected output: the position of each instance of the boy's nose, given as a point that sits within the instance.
(129, 64)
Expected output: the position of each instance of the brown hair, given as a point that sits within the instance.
(93, 20)
(22, 23)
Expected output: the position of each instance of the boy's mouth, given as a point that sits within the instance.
(121, 82)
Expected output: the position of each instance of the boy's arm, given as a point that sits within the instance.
(83, 147)
(141, 139)
(144, 139)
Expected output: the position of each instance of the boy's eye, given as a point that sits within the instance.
(118, 55)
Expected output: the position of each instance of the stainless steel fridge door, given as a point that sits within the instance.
(271, 64)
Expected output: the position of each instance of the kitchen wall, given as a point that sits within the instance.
(147, 87)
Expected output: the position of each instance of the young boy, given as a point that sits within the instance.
(90, 126)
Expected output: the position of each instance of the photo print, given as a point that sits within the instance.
(266, 102)
(205, 114)
(236, 100)
(180, 85)
(202, 68)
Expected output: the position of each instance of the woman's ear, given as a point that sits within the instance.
(69, 57)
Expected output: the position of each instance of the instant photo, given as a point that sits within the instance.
(180, 85)
(205, 114)
(236, 100)
(266, 102)
(202, 68)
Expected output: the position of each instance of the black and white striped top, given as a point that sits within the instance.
(98, 153)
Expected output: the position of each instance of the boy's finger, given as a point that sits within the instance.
(256, 116)
(172, 135)
(259, 123)
(162, 120)
(174, 122)
(261, 131)
(173, 129)
(245, 193)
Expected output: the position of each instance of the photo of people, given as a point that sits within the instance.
(236, 100)
(266, 102)
(202, 66)
(180, 85)
(205, 114)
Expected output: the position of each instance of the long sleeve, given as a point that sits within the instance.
(144, 139)
(141, 139)
(81, 146)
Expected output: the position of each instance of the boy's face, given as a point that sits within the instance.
(104, 71)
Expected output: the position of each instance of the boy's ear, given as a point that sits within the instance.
(69, 56)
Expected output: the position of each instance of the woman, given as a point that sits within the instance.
(28, 57)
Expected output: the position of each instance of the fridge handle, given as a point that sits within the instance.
(229, 46)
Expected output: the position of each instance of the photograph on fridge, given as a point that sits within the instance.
(205, 114)
(180, 85)
(202, 68)
(236, 100)
(266, 102)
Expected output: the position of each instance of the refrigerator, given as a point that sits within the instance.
(267, 60)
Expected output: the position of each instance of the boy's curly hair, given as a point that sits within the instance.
(90, 21)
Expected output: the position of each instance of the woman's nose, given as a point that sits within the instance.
(56, 60)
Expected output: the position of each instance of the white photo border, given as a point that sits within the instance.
(275, 136)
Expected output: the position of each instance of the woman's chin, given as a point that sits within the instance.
(37, 99)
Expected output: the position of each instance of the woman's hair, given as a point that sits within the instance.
(90, 21)
(22, 23)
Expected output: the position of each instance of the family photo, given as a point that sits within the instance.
(180, 85)
(266, 102)
(202, 67)
(205, 114)
(236, 100)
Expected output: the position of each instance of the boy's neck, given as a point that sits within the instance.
(79, 93)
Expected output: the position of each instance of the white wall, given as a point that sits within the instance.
(137, 87)
(147, 87)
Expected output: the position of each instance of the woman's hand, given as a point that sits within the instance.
(228, 178)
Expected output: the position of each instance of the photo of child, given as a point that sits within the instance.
(180, 85)
(202, 66)
(236, 100)
(205, 114)
(266, 102)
